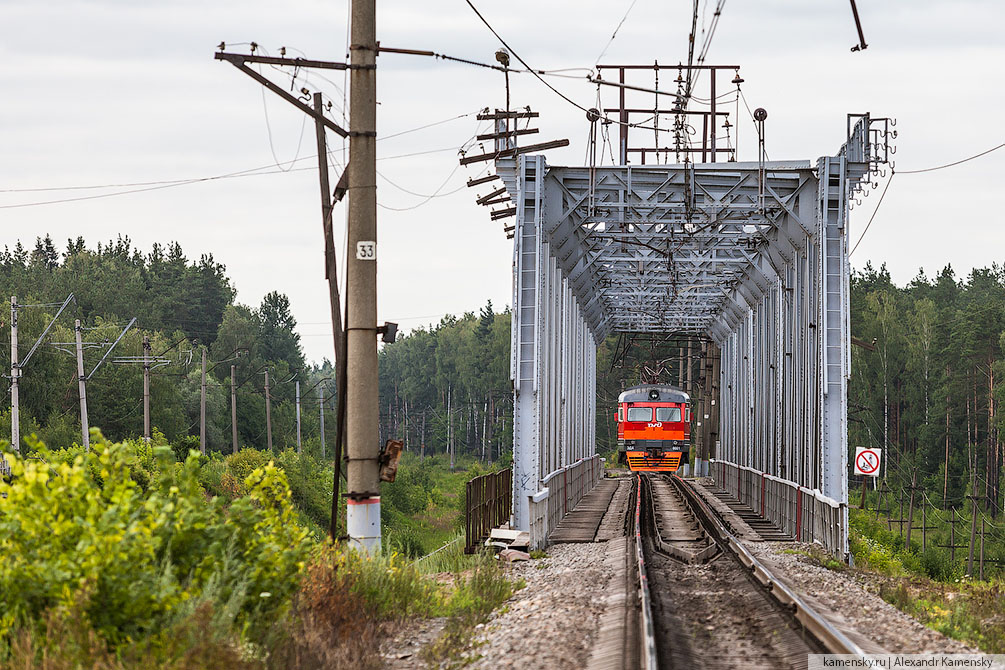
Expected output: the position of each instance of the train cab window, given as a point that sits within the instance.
(640, 413)
(670, 414)
(621, 414)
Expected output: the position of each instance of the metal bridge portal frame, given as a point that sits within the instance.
(752, 255)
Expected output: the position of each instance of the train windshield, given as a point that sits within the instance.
(640, 413)
(668, 414)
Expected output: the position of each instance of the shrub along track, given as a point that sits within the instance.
(712, 604)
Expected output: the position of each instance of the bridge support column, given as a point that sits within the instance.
(835, 333)
(553, 364)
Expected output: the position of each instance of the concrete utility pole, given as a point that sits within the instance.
(362, 409)
(233, 406)
(298, 415)
(146, 388)
(15, 373)
(321, 404)
(268, 412)
(81, 387)
(202, 407)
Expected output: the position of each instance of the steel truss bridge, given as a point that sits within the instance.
(751, 255)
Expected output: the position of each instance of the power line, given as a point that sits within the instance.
(711, 31)
(268, 128)
(522, 61)
(940, 167)
(615, 33)
(249, 172)
(185, 182)
(428, 125)
(866, 229)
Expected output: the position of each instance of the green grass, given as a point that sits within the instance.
(929, 584)
(471, 603)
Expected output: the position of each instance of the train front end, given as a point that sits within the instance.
(654, 428)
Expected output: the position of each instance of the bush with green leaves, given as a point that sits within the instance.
(85, 527)
(311, 485)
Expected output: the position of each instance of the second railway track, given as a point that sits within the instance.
(710, 603)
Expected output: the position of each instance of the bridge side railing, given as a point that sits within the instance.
(805, 514)
(488, 504)
(560, 492)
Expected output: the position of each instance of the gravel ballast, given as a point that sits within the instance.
(844, 598)
(553, 621)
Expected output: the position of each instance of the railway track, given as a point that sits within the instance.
(706, 601)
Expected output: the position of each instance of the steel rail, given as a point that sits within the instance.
(822, 631)
(649, 658)
(683, 555)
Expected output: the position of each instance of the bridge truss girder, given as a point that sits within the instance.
(754, 256)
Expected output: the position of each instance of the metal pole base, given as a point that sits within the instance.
(362, 522)
(700, 467)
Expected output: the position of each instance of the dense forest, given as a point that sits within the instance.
(929, 392)
(926, 386)
(184, 307)
(447, 388)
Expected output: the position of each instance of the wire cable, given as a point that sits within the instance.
(878, 204)
(941, 167)
(711, 31)
(268, 128)
(522, 61)
(615, 33)
(428, 125)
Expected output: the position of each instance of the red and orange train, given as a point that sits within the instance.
(654, 428)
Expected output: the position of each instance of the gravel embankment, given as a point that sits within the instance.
(552, 622)
(845, 598)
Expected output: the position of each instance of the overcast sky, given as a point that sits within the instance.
(120, 92)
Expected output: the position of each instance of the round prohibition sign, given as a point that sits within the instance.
(867, 462)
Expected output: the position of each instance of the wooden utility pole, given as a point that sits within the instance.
(362, 398)
(268, 412)
(974, 498)
(298, 415)
(146, 388)
(322, 123)
(85, 430)
(910, 511)
(321, 405)
(335, 300)
(450, 428)
(15, 374)
(233, 408)
(945, 477)
(202, 407)
(981, 574)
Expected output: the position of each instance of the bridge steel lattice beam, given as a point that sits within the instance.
(758, 265)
